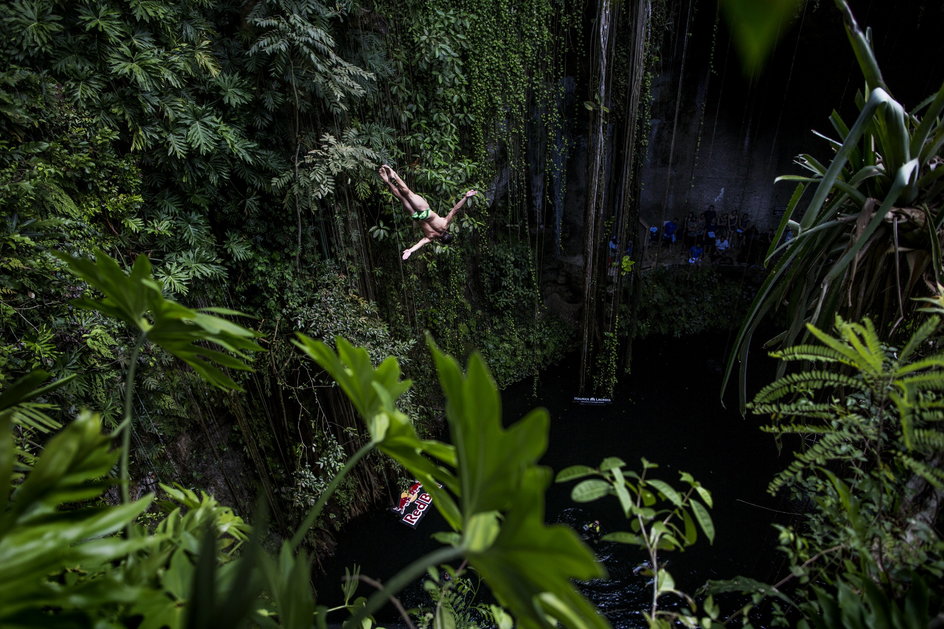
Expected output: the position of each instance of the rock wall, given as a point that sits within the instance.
(714, 129)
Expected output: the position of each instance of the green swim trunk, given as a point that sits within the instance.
(422, 215)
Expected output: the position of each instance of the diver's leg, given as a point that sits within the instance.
(394, 189)
(417, 202)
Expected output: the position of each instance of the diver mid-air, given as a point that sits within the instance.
(434, 226)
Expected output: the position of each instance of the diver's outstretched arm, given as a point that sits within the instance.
(458, 205)
(423, 241)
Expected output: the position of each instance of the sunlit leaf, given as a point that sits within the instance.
(574, 472)
(704, 520)
(756, 27)
(590, 490)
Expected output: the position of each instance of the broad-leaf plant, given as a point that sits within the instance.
(866, 226)
(70, 557)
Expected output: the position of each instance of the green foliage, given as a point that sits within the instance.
(887, 398)
(870, 229)
(686, 300)
(233, 146)
(494, 307)
(454, 598)
(661, 518)
(28, 418)
(136, 299)
(296, 39)
(335, 309)
(25, 413)
(199, 508)
(497, 512)
(870, 481)
(64, 566)
(347, 156)
(177, 576)
(61, 559)
(756, 26)
(859, 604)
(41, 543)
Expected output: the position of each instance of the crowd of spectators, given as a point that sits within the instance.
(721, 238)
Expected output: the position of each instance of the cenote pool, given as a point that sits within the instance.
(668, 411)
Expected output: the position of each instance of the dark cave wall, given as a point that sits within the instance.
(713, 128)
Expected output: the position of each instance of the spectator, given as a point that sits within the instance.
(710, 215)
(693, 229)
(696, 252)
(653, 234)
(669, 228)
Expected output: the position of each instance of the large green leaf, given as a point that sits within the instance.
(42, 534)
(136, 299)
(373, 392)
(493, 489)
(64, 473)
(756, 27)
(529, 560)
(491, 460)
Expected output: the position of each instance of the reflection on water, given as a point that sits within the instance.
(627, 591)
(669, 412)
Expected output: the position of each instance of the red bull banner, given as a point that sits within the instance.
(413, 505)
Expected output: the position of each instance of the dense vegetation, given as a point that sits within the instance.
(237, 147)
(227, 155)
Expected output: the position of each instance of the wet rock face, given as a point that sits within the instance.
(718, 136)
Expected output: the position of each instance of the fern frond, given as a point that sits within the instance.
(811, 353)
(920, 335)
(925, 381)
(929, 440)
(831, 447)
(929, 410)
(852, 356)
(864, 341)
(800, 408)
(872, 341)
(930, 473)
(785, 477)
(931, 362)
(795, 429)
(805, 382)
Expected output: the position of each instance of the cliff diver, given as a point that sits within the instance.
(434, 226)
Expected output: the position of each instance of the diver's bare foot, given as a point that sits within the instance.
(395, 178)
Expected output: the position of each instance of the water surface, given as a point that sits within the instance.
(668, 410)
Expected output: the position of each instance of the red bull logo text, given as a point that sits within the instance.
(417, 499)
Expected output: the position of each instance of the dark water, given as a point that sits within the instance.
(668, 411)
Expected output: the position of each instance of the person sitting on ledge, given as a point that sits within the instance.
(696, 252)
(669, 228)
(434, 226)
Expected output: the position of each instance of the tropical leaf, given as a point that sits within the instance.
(850, 231)
(136, 299)
(43, 533)
(757, 26)
(492, 472)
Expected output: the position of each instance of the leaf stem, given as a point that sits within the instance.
(125, 426)
(326, 494)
